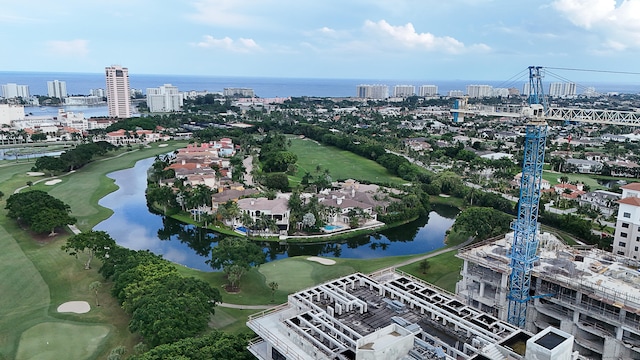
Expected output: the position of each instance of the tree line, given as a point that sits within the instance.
(170, 311)
(72, 159)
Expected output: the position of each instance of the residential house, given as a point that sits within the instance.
(276, 209)
(605, 201)
(583, 166)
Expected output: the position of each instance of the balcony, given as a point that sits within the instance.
(592, 345)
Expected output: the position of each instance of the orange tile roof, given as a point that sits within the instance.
(632, 186)
(630, 201)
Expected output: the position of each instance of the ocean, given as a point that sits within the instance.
(265, 87)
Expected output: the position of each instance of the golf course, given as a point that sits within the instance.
(39, 277)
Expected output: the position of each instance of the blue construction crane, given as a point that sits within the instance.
(525, 240)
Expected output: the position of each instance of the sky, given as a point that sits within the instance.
(351, 39)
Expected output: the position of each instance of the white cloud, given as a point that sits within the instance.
(241, 45)
(70, 48)
(223, 12)
(406, 36)
(618, 25)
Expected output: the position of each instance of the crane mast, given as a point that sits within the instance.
(525, 227)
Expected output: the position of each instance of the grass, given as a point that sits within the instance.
(38, 276)
(341, 164)
(50, 340)
(444, 270)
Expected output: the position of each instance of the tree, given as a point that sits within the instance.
(482, 222)
(277, 181)
(234, 251)
(50, 164)
(273, 286)
(96, 243)
(424, 265)
(95, 286)
(38, 210)
(308, 220)
(50, 219)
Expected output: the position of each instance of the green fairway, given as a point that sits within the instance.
(38, 276)
(341, 164)
(91, 182)
(444, 270)
(55, 340)
(298, 273)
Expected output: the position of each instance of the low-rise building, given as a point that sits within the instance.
(389, 315)
(276, 209)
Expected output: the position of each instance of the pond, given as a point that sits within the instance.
(135, 227)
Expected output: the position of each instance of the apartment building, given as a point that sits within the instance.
(378, 92)
(165, 98)
(583, 291)
(12, 90)
(239, 92)
(390, 315)
(626, 240)
(428, 90)
(404, 91)
(118, 91)
(57, 89)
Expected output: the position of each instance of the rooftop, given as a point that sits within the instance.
(387, 310)
(612, 278)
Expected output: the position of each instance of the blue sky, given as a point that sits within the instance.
(366, 39)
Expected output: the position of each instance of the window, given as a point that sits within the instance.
(622, 244)
(625, 225)
(624, 235)
(636, 249)
(620, 252)
(627, 215)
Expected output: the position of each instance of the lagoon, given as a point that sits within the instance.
(134, 226)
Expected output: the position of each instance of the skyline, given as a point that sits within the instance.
(366, 39)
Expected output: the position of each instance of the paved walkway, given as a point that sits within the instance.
(247, 307)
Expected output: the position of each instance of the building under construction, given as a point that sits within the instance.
(592, 294)
(390, 315)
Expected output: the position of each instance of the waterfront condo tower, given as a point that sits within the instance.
(118, 93)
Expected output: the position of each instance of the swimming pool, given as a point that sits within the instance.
(332, 227)
(242, 229)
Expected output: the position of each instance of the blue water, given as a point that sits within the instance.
(80, 83)
(332, 227)
(134, 227)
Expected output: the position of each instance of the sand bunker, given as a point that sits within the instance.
(78, 307)
(322, 261)
(163, 145)
(53, 182)
(35, 173)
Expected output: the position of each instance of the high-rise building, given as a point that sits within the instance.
(455, 93)
(241, 92)
(118, 93)
(626, 240)
(558, 89)
(11, 90)
(373, 91)
(97, 92)
(165, 98)
(404, 90)
(479, 91)
(428, 90)
(57, 89)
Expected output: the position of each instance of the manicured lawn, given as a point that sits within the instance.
(38, 276)
(444, 270)
(57, 340)
(341, 164)
(91, 182)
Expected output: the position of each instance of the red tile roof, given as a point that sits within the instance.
(630, 201)
(632, 186)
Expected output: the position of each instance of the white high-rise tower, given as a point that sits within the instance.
(118, 93)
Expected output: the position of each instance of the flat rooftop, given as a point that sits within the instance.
(340, 318)
(611, 278)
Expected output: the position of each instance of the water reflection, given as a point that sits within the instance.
(132, 225)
